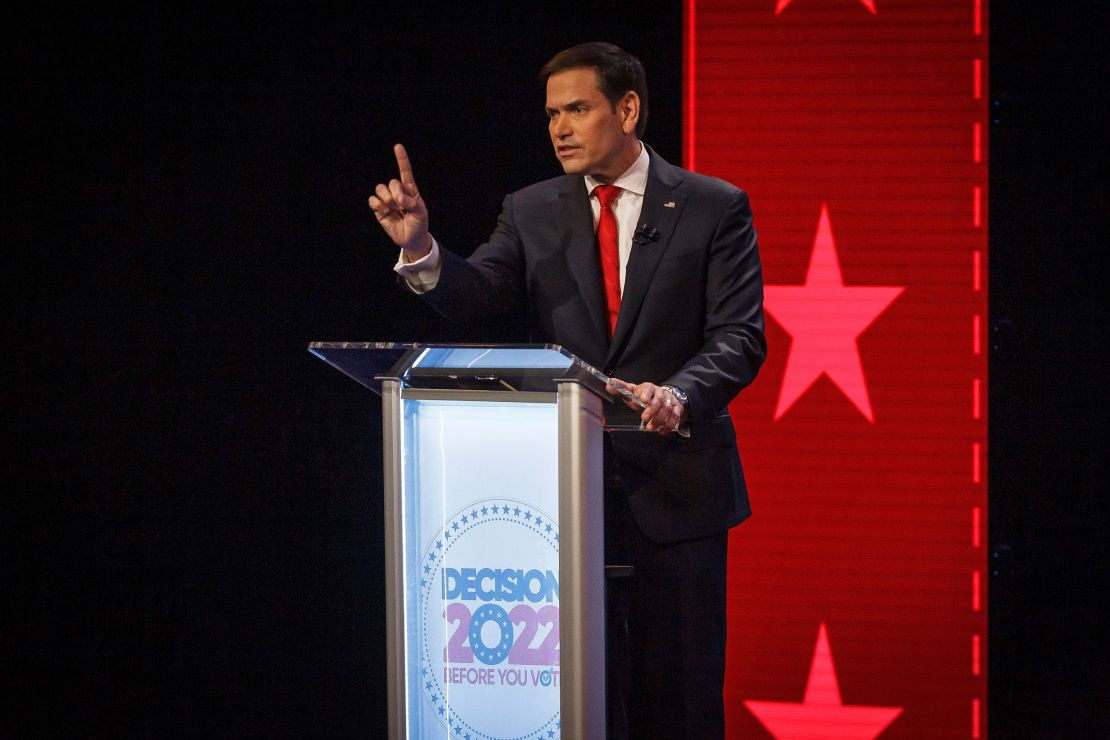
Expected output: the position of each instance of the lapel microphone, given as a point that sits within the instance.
(645, 233)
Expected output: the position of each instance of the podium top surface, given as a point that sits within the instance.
(535, 367)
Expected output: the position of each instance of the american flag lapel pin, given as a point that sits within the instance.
(669, 204)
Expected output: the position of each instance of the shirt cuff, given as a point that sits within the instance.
(421, 275)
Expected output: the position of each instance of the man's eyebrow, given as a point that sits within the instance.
(568, 106)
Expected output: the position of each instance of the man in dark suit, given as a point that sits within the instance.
(656, 280)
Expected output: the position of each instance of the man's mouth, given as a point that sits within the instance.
(566, 150)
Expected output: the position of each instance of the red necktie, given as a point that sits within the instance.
(610, 255)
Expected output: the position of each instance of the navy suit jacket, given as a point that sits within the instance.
(691, 316)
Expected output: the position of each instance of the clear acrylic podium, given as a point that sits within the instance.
(495, 582)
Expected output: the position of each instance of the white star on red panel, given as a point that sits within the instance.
(781, 5)
(821, 715)
(824, 318)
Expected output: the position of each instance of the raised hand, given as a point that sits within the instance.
(401, 211)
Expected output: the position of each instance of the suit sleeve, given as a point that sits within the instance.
(489, 281)
(734, 343)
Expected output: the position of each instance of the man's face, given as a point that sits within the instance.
(588, 135)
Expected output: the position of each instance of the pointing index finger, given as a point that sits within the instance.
(403, 165)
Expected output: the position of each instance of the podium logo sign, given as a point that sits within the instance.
(489, 622)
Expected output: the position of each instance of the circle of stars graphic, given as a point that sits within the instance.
(462, 523)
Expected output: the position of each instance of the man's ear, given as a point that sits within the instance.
(629, 110)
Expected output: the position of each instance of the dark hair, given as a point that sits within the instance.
(618, 72)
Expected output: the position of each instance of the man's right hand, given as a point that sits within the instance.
(401, 212)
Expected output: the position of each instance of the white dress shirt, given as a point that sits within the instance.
(423, 274)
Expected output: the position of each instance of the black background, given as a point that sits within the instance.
(196, 546)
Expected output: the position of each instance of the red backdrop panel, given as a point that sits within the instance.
(857, 591)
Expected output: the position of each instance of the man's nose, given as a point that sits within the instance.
(560, 127)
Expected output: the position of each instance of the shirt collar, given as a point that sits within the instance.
(633, 179)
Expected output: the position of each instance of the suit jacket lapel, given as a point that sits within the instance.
(574, 219)
(659, 213)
